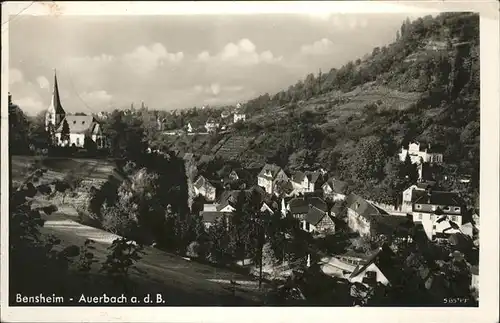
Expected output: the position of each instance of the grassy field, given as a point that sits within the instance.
(90, 169)
(181, 281)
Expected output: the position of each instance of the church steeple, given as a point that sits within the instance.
(56, 101)
(55, 113)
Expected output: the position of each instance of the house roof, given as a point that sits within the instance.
(79, 124)
(188, 156)
(336, 185)
(337, 208)
(385, 224)
(312, 176)
(272, 169)
(425, 185)
(300, 205)
(384, 259)
(211, 216)
(361, 206)
(315, 215)
(299, 176)
(201, 181)
(440, 198)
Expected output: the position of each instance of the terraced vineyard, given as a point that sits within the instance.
(232, 147)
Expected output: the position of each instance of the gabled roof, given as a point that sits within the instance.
(312, 176)
(336, 185)
(384, 259)
(79, 124)
(298, 177)
(301, 205)
(360, 205)
(440, 198)
(201, 181)
(272, 169)
(315, 215)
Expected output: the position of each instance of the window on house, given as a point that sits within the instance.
(307, 226)
(454, 218)
(78, 141)
(434, 227)
(456, 209)
(447, 208)
(418, 206)
(74, 122)
(83, 122)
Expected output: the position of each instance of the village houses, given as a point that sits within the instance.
(358, 214)
(305, 182)
(82, 128)
(317, 221)
(412, 193)
(211, 125)
(334, 189)
(204, 188)
(238, 114)
(269, 176)
(439, 212)
(420, 153)
(380, 268)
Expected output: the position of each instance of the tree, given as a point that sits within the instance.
(65, 132)
(18, 130)
(123, 255)
(368, 160)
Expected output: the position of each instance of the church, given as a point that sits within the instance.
(71, 130)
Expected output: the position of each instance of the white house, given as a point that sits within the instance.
(189, 128)
(204, 188)
(305, 182)
(380, 268)
(436, 209)
(211, 125)
(80, 128)
(411, 193)
(269, 176)
(419, 153)
(239, 117)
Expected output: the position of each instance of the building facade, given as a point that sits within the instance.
(435, 210)
(419, 154)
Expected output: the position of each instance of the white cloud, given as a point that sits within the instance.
(217, 88)
(97, 99)
(319, 47)
(145, 59)
(29, 105)
(242, 53)
(43, 82)
(204, 56)
(15, 76)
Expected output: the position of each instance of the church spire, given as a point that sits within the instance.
(55, 104)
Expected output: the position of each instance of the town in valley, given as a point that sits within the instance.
(354, 186)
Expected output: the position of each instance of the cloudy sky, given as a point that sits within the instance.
(175, 62)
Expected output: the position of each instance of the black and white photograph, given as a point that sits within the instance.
(276, 159)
